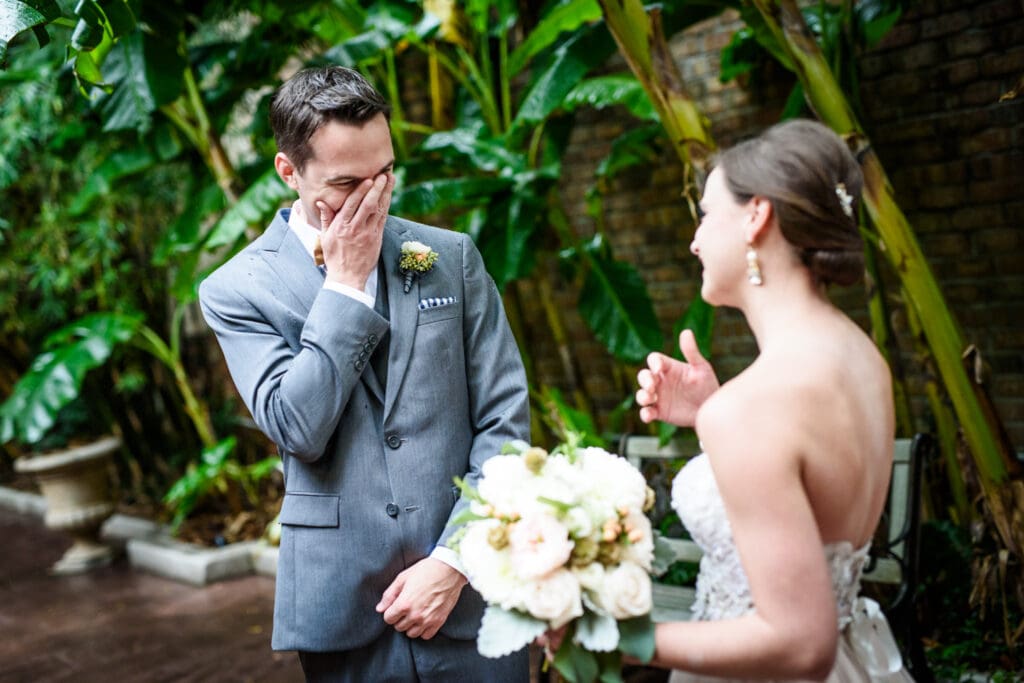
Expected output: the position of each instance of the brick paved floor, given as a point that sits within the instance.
(124, 626)
(116, 624)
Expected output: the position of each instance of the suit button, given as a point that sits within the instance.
(359, 364)
(367, 347)
(372, 339)
(392, 510)
(394, 441)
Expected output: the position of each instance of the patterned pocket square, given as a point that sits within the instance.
(436, 301)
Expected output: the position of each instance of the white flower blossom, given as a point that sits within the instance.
(538, 544)
(625, 591)
(555, 599)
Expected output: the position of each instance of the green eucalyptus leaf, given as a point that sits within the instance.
(597, 632)
(503, 632)
(664, 555)
(55, 377)
(254, 208)
(616, 307)
(575, 664)
(636, 637)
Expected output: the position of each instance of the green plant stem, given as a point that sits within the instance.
(505, 83)
(211, 149)
(394, 97)
(150, 342)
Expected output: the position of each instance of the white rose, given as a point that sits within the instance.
(505, 483)
(625, 592)
(489, 570)
(538, 544)
(415, 247)
(555, 599)
(591, 577)
(611, 481)
(579, 522)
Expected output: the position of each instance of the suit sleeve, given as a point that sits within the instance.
(498, 394)
(296, 396)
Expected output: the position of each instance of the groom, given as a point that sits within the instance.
(378, 390)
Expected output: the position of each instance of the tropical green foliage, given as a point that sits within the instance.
(217, 473)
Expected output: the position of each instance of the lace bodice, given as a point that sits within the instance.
(722, 588)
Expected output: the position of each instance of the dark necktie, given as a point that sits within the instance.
(379, 359)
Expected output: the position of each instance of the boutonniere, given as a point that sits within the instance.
(417, 259)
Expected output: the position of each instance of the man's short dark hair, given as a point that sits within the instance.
(311, 98)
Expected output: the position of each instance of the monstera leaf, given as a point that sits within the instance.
(55, 377)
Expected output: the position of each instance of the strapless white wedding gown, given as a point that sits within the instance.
(867, 650)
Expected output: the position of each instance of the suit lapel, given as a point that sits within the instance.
(404, 313)
(286, 256)
(284, 253)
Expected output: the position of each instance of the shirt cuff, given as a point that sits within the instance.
(351, 292)
(449, 557)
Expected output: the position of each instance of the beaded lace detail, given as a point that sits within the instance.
(722, 588)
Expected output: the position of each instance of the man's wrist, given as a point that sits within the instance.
(450, 558)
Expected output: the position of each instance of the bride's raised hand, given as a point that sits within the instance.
(671, 390)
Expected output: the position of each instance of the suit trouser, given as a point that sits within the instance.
(396, 658)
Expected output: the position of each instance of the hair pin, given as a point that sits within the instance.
(845, 200)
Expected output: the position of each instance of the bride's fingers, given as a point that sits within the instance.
(648, 415)
(688, 345)
(645, 397)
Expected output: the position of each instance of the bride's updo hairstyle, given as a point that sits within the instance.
(814, 185)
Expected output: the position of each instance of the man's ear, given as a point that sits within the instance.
(761, 216)
(286, 170)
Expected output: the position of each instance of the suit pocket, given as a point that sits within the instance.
(433, 315)
(310, 509)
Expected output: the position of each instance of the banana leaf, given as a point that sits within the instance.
(615, 305)
(17, 16)
(56, 375)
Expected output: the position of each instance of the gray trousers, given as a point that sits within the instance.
(396, 658)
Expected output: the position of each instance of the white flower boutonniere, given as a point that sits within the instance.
(417, 259)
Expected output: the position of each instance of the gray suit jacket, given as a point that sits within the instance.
(368, 471)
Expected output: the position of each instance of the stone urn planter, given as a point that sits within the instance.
(74, 484)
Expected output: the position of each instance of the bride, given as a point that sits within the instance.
(798, 447)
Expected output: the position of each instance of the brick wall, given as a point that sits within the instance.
(953, 152)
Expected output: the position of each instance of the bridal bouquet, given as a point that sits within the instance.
(560, 540)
